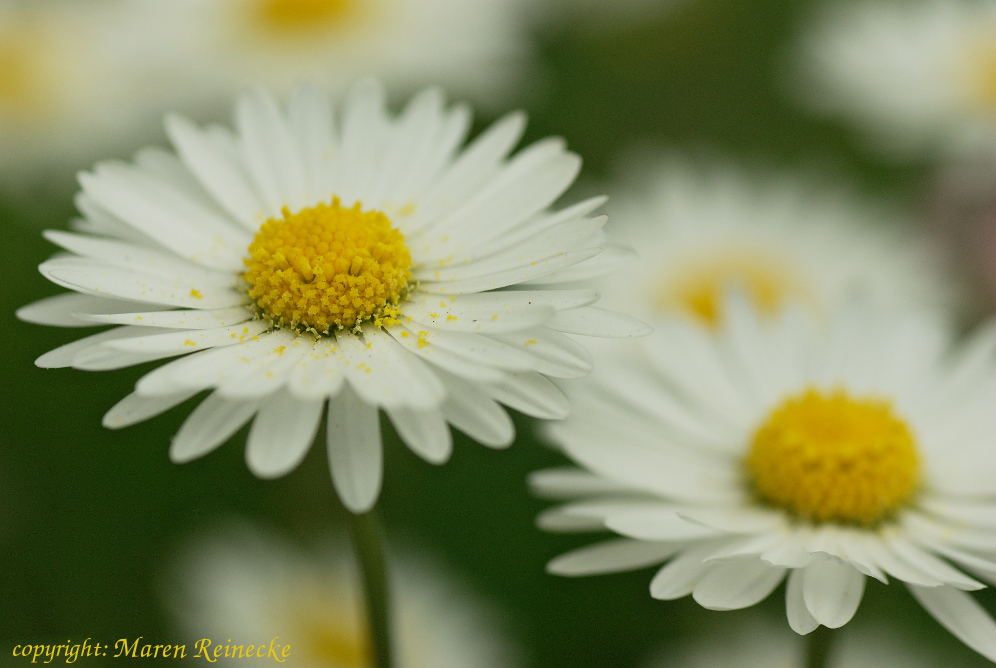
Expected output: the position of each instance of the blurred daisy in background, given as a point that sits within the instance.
(302, 262)
(478, 49)
(918, 78)
(64, 94)
(776, 449)
(761, 644)
(702, 230)
(243, 584)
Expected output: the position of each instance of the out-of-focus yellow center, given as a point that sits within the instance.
(333, 644)
(18, 89)
(831, 457)
(295, 15)
(700, 288)
(327, 268)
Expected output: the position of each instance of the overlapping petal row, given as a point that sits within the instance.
(663, 450)
(159, 250)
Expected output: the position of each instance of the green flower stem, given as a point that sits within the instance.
(818, 647)
(369, 547)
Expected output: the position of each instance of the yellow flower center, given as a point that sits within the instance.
(20, 89)
(295, 15)
(700, 288)
(332, 643)
(327, 268)
(830, 457)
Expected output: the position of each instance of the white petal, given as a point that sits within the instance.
(679, 577)
(962, 615)
(417, 343)
(735, 520)
(475, 166)
(471, 411)
(385, 374)
(530, 182)
(611, 259)
(532, 394)
(281, 434)
(181, 319)
(142, 259)
(510, 276)
(438, 154)
(476, 348)
(657, 524)
(832, 590)
(64, 356)
(503, 311)
(736, 584)
(410, 139)
(612, 556)
(134, 409)
(91, 276)
(933, 566)
(320, 373)
(72, 310)
(212, 158)
(364, 130)
(888, 561)
(310, 118)
(269, 151)
(560, 483)
(799, 618)
(554, 354)
(212, 423)
(165, 214)
(178, 343)
(355, 452)
(425, 432)
(559, 519)
(592, 321)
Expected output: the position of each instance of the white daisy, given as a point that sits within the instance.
(779, 449)
(757, 644)
(299, 263)
(917, 77)
(208, 50)
(242, 587)
(702, 230)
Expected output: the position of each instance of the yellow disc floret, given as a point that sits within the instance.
(303, 14)
(829, 457)
(327, 268)
(699, 287)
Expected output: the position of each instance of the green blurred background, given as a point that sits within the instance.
(90, 518)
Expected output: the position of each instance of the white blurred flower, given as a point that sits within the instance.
(918, 77)
(245, 585)
(63, 86)
(762, 644)
(702, 231)
(211, 49)
(372, 266)
(777, 449)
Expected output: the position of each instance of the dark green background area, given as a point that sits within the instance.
(90, 518)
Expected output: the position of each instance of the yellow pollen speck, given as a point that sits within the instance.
(494, 317)
(829, 457)
(531, 342)
(280, 350)
(188, 342)
(196, 294)
(328, 268)
(450, 316)
(422, 340)
(433, 315)
(700, 287)
(405, 334)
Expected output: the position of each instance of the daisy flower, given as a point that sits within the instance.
(209, 50)
(759, 644)
(702, 230)
(371, 266)
(779, 449)
(917, 77)
(247, 586)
